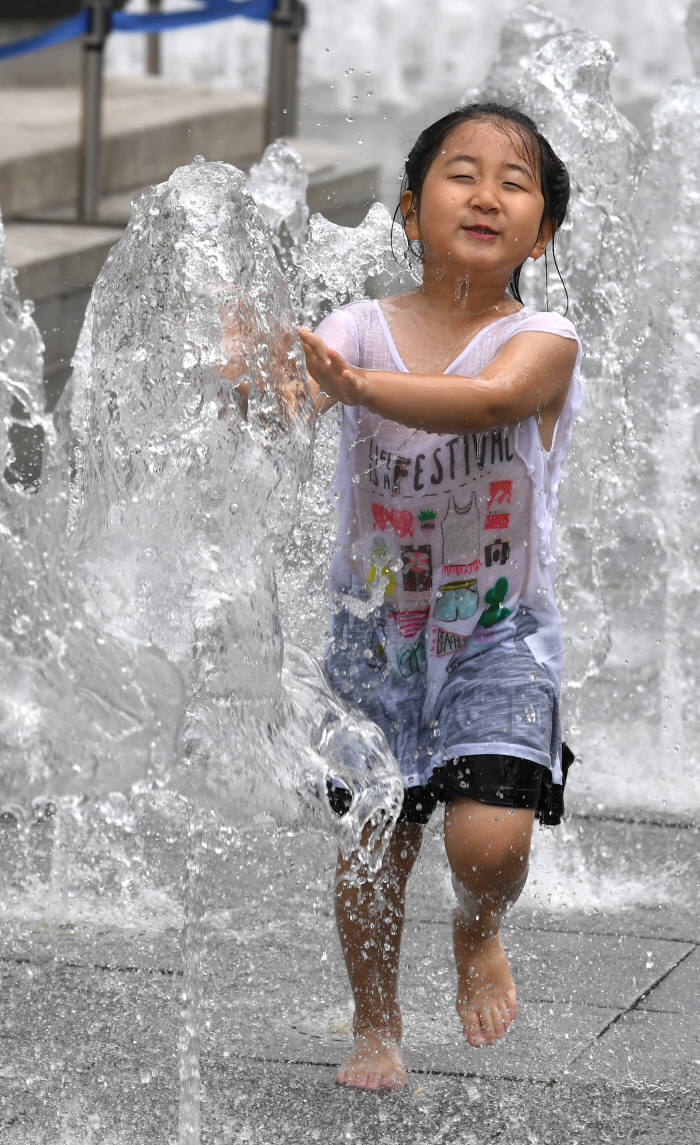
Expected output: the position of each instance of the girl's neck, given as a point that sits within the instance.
(459, 296)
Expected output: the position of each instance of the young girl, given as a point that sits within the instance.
(458, 403)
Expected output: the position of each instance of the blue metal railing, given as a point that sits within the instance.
(97, 19)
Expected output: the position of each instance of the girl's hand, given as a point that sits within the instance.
(331, 372)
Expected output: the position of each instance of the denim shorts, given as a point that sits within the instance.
(493, 729)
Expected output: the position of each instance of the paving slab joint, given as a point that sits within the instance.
(662, 978)
(634, 1005)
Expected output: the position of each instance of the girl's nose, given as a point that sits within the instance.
(484, 196)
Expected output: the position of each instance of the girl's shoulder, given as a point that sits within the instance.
(352, 314)
(349, 329)
(541, 321)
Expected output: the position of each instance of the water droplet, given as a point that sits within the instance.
(349, 118)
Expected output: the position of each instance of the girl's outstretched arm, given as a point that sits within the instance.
(530, 374)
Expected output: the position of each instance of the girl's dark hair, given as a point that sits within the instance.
(553, 175)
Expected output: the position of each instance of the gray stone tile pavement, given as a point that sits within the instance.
(605, 1046)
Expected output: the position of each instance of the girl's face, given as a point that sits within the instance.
(480, 207)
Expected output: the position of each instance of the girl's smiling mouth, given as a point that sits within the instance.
(480, 231)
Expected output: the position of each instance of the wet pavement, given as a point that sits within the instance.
(604, 948)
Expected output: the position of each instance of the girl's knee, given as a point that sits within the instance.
(488, 851)
(398, 861)
(488, 892)
(491, 871)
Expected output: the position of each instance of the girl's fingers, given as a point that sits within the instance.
(316, 344)
(308, 338)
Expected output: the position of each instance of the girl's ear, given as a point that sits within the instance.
(410, 215)
(544, 237)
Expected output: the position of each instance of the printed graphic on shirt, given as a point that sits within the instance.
(412, 661)
(375, 651)
(411, 621)
(498, 505)
(457, 600)
(426, 520)
(379, 566)
(453, 461)
(417, 568)
(400, 520)
(462, 570)
(460, 532)
(444, 643)
(387, 469)
(494, 597)
(496, 553)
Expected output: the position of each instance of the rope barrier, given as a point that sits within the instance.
(213, 10)
(79, 24)
(66, 30)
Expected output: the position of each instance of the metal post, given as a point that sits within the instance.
(153, 44)
(286, 23)
(93, 61)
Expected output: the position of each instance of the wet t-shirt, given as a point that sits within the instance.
(448, 535)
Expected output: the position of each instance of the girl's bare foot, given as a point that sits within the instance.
(486, 998)
(374, 1063)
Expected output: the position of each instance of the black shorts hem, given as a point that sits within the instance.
(495, 780)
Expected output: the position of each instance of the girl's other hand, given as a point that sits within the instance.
(331, 372)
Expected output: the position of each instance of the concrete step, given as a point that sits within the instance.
(149, 127)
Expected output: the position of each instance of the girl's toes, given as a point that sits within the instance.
(396, 1080)
(472, 1028)
(506, 1015)
(491, 1026)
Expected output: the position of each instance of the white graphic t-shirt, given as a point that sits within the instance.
(449, 533)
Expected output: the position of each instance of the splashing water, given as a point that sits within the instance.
(153, 653)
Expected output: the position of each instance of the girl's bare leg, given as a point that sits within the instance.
(488, 850)
(369, 914)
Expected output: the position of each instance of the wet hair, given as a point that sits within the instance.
(551, 171)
